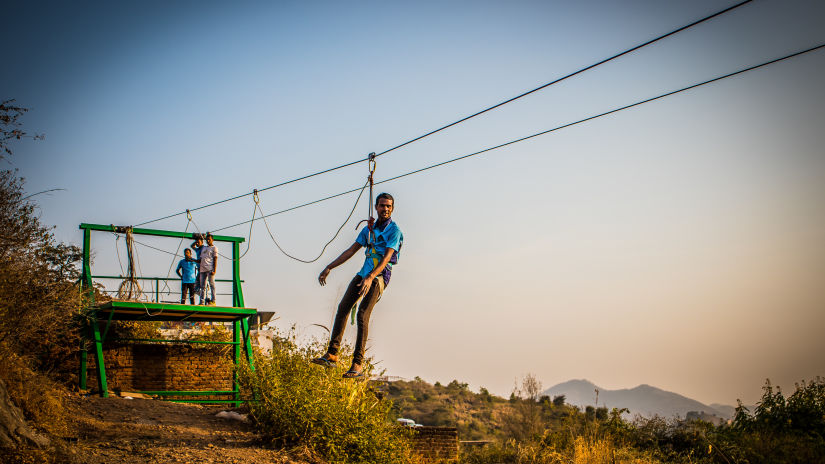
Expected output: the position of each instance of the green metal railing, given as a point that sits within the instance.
(156, 288)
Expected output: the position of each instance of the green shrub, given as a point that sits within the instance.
(304, 405)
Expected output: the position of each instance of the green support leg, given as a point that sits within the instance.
(247, 343)
(86, 285)
(101, 369)
(236, 357)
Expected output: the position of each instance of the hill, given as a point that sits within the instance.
(644, 399)
(474, 414)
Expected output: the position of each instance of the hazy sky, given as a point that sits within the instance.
(678, 244)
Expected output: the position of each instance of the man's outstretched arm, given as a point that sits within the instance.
(347, 254)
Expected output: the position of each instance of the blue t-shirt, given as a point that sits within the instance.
(190, 271)
(386, 235)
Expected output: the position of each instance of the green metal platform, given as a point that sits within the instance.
(118, 310)
(139, 311)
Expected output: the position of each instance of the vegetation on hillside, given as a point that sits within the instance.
(39, 313)
(528, 428)
(454, 405)
(300, 404)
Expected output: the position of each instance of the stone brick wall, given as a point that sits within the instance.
(151, 367)
(436, 444)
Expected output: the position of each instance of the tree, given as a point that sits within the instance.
(38, 298)
(39, 305)
(10, 126)
(485, 395)
(522, 420)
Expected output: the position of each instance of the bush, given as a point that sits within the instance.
(39, 303)
(780, 430)
(300, 404)
(39, 317)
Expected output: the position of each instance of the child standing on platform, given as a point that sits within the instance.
(188, 272)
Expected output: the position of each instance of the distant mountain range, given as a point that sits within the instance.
(644, 400)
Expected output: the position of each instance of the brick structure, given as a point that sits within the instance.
(178, 367)
(436, 444)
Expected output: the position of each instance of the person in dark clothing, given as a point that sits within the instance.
(382, 248)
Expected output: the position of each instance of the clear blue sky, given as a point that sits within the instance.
(677, 244)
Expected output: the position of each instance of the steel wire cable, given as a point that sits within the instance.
(156, 248)
(606, 113)
(272, 236)
(249, 235)
(606, 60)
(466, 118)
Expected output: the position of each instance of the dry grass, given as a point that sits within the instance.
(39, 397)
(604, 452)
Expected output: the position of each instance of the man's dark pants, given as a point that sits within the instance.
(183, 290)
(362, 317)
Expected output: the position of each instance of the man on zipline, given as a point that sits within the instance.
(382, 247)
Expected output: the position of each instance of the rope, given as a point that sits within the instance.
(249, 236)
(129, 289)
(370, 220)
(564, 126)
(255, 206)
(466, 118)
(326, 245)
(293, 208)
(175, 256)
(117, 249)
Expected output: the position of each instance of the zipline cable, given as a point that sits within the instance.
(259, 209)
(606, 60)
(298, 179)
(497, 105)
(294, 207)
(192, 221)
(616, 110)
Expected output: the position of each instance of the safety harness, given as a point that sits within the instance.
(371, 252)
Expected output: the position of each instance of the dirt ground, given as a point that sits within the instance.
(115, 430)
